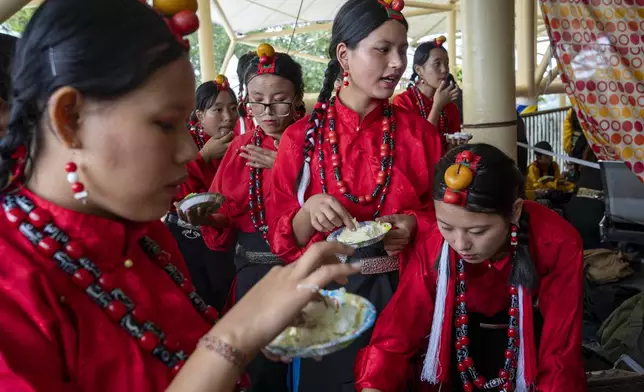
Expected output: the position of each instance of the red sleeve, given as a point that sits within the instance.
(561, 366)
(433, 146)
(402, 326)
(224, 239)
(31, 348)
(403, 100)
(282, 206)
(454, 118)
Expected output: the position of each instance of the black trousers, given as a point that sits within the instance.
(265, 375)
(212, 272)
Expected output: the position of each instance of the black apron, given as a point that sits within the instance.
(212, 272)
(253, 260)
(487, 345)
(334, 373)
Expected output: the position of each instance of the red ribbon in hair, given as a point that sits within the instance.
(394, 8)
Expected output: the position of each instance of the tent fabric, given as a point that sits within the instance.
(599, 46)
(252, 15)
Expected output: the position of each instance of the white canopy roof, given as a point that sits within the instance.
(251, 15)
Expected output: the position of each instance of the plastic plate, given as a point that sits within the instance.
(333, 237)
(365, 317)
(214, 200)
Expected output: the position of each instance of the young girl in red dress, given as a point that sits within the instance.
(492, 299)
(94, 292)
(355, 157)
(275, 88)
(431, 93)
(211, 128)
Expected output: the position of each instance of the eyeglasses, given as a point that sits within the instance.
(280, 109)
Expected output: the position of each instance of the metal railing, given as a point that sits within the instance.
(546, 125)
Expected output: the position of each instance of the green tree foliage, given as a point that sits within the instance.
(17, 23)
(314, 43)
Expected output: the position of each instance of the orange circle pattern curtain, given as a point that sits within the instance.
(599, 46)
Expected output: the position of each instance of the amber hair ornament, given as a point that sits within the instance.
(394, 8)
(180, 16)
(459, 176)
(267, 57)
(440, 40)
(221, 81)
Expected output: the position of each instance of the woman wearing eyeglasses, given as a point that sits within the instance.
(275, 89)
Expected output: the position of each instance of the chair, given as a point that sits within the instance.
(624, 202)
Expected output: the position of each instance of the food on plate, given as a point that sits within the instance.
(365, 231)
(329, 326)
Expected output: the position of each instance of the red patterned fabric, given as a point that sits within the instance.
(599, 45)
(55, 338)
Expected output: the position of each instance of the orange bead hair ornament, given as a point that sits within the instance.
(440, 40)
(266, 54)
(459, 176)
(180, 16)
(394, 8)
(222, 82)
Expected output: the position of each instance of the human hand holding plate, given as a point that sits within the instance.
(404, 229)
(197, 208)
(276, 301)
(330, 325)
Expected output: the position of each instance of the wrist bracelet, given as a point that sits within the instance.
(218, 346)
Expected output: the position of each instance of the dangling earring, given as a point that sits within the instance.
(514, 236)
(300, 112)
(249, 109)
(345, 79)
(77, 187)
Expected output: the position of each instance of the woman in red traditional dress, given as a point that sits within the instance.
(432, 93)
(356, 157)
(211, 128)
(496, 285)
(275, 87)
(94, 293)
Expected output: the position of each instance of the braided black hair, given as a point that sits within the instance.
(77, 43)
(242, 67)
(7, 47)
(421, 55)
(355, 20)
(495, 188)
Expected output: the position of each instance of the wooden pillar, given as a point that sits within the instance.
(206, 44)
(526, 49)
(451, 41)
(487, 29)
